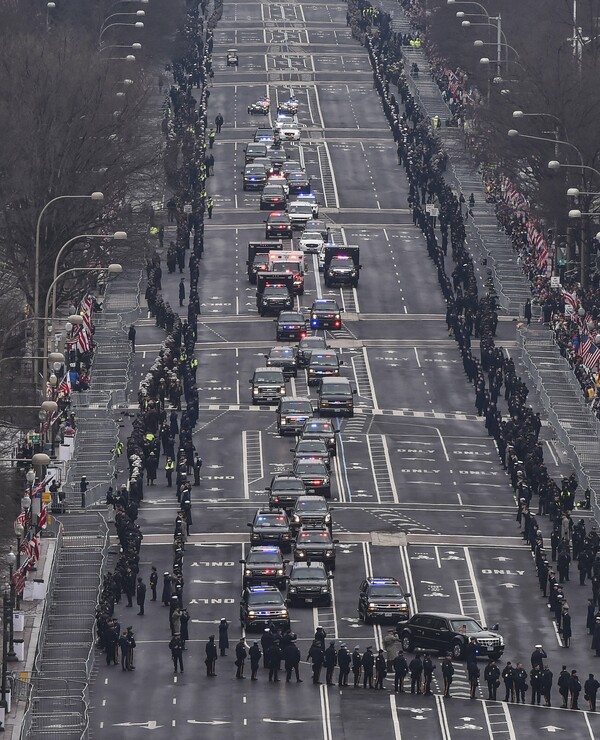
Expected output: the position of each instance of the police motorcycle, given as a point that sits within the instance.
(261, 106)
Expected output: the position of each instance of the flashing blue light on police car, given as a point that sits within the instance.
(271, 549)
(259, 590)
(379, 583)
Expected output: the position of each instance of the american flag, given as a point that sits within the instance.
(64, 387)
(84, 343)
(43, 517)
(571, 301)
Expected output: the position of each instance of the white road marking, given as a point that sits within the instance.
(477, 595)
(395, 722)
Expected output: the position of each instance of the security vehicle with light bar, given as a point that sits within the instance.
(264, 566)
(325, 314)
(290, 325)
(314, 473)
(309, 583)
(341, 265)
(274, 292)
(262, 248)
(315, 544)
(268, 385)
(270, 526)
(382, 598)
(261, 606)
(289, 261)
(284, 491)
(311, 511)
(336, 397)
(292, 413)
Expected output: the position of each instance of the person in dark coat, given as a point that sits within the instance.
(267, 639)
(428, 669)
(596, 636)
(448, 674)
(291, 658)
(527, 311)
(223, 636)
(591, 616)
(590, 689)
(255, 655)
(124, 648)
(240, 657)
(520, 682)
(474, 674)
(564, 680)
(181, 292)
(131, 337)
(167, 589)
(316, 654)
(330, 661)
(356, 665)
(274, 661)
(320, 636)
(566, 626)
(344, 662)
(380, 670)
(153, 582)
(416, 670)
(184, 633)
(140, 595)
(176, 648)
(368, 663)
(492, 676)
(508, 676)
(574, 689)
(211, 656)
(547, 677)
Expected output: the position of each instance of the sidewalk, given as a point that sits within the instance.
(33, 610)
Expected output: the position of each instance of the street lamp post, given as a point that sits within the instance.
(36, 283)
(6, 612)
(118, 235)
(11, 559)
(137, 24)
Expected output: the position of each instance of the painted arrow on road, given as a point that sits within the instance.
(152, 725)
(502, 559)
(509, 585)
(467, 719)
(285, 721)
(215, 583)
(551, 728)
(208, 722)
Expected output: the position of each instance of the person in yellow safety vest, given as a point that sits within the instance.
(211, 138)
(169, 467)
(194, 366)
(418, 43)
(150, 438)
(210, 204)
(118, 449)
(153, 231)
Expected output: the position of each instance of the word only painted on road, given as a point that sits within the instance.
(212, 601)
(212, 564)
(499, 572)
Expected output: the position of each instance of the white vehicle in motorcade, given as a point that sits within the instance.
(292, 262)
(283, 119)
(312, 199)
(299, 213)
(290, 131)
(275, 179)
(311, 242)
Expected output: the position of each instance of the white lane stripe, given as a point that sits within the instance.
(477, 595)
(395, 722)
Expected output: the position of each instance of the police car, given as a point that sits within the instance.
(290, 325)
(315, 544)
(325, 314)
(322, 429)
(264, 566)
(270, 526)
(311, 242)
(382, 598)
(261, 606)
(309, 583)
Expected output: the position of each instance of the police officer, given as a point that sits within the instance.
(400, 667)
(211, 656)
(291, 658)
(274, 661)
(520, 682)
(574, 689)
(316, 655)
(448, 674)
(344, 662)
(320, 636)
(590, 689)
(537, 656)
(169, 467)
(508, 676)
(240, 657)
(153, 582)
(211, 138)
(563, 685)
(210, 204)
(428, 669)
(547, 677)
(416, 671)
(255, 655)
(368, 663)
(330, 660)
(491, 675)
(474, 674)
(380, 669)
(356, 665)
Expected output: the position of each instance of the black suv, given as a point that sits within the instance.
(278, 225)
(312, 449)
(321, 429)
(264, 565)
(325, 314)
(336, 397)
(284, 491)
(291, 325)
(307, 346)
(311, 511)
(292, 413)
(261, 606)
(315, 475)
(274, 298)
(449, 633)
(254, 177)
(284, 358)
(272, 198)
(322, 364)
(271, 526)
(315, 544)
(309, 583)
(382, 598)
